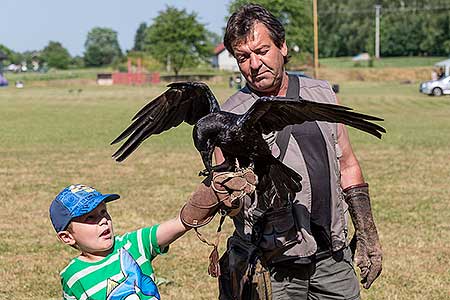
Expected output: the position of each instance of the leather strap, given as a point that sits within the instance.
(284, 135)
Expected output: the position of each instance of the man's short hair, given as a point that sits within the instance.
(241, 23)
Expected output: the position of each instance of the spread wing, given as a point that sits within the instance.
(183, 101)
(274, 113)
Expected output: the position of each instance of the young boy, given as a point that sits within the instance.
(118, 267)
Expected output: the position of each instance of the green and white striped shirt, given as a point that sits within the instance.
(126, 271)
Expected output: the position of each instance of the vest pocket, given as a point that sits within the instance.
(279, 233)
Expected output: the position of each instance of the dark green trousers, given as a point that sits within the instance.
(329, 279)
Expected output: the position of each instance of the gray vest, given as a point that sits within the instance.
(319, 91)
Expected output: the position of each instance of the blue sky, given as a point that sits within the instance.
(31, 24)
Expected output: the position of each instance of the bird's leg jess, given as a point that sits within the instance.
(207, 161)
(224, 167)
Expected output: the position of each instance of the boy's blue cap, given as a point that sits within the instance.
(74, 201)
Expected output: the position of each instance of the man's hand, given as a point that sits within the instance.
(222, 190)
(368, 255)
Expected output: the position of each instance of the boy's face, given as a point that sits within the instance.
(92, 233)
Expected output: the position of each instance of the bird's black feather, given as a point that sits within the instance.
(188, 102)
(275, 113)
(238, 136)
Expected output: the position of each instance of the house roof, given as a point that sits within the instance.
(219, 48)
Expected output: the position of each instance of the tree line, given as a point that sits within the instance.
(407, 28)
(101, 49)
(176, 39)
(347, 27)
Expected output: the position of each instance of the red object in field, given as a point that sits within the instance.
(155, 78)
(134, 78)
(128, 78)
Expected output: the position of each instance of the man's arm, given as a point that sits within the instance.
(351, 173)
(368, 255)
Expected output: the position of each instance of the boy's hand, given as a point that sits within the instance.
(222, 190)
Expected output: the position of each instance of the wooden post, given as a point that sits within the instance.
(316, 41)
(377, 31)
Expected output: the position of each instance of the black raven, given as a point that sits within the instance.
(238, 136)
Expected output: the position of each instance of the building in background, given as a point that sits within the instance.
(223, 60)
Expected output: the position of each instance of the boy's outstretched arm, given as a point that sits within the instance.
(170, 230)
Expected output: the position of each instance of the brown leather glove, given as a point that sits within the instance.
(368, 248)
(220, 191)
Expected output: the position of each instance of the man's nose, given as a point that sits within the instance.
(255, 61)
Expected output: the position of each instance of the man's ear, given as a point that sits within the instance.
(66, 237)
(284, 49)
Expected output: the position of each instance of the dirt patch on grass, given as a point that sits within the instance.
(374, 74)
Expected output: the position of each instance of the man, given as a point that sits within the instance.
(304, 244)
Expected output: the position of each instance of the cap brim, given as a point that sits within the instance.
(110, 197)
(94, 202)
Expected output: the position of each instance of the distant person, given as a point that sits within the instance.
(238, 82)
(3, 81)
(116, 267)
(434, 75)
(441, 73)
(20, 84)
(230, 82)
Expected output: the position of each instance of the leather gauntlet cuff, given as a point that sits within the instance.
(358, 200)
(356, 188)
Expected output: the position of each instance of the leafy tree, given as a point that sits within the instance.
(346, 27)
(177, 39)
(77, 62)
(6, 51)
(139, 37)
(407, 27)
(11, 56)
(56, 55)
(102, 47)
(214, 38)
(296, 17)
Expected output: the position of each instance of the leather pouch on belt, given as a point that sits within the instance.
(279, 234)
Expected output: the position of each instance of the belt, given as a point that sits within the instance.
(319, 256)
(328, 253)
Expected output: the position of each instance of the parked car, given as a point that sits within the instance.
(436, 87)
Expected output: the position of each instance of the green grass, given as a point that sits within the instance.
(50, 138)
(390, 62)
(87, 73)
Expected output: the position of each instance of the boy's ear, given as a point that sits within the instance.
(66, 237)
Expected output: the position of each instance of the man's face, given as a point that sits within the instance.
(93, 232)
(261, 61)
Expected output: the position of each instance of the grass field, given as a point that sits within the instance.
(50, 138)
(384, 62)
